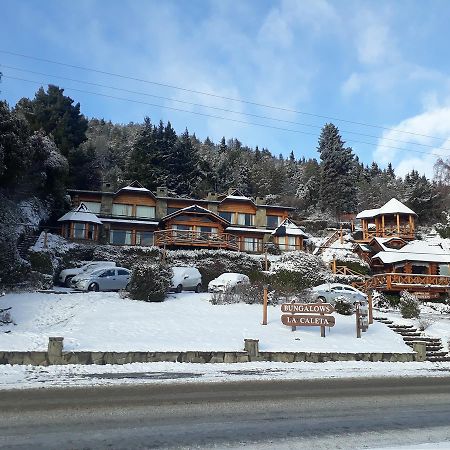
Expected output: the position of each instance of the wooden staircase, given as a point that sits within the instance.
(410, 334)
(25, 242)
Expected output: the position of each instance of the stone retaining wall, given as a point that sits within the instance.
(56, 355)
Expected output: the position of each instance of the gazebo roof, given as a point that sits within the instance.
(288, 228)
(393, 206)
(80, 214)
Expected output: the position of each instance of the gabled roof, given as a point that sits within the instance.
(235, 195)
(393, 206)
(195, 210)
(383, 241)
(135, 186)
(288, 228)
(415, 251)
(80, 214)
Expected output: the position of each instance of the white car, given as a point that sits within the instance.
(329, 292)
(105, 279)
(186, 278)
(227, 281)
(66, 275)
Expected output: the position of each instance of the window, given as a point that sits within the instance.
(145, 212)
(251, 244)
(182, 227)
(90, 231)
(226, 215)
(108, 273)
(93, 206)
(122, 210)
(120, 237)
(78, 230)
(245, 219)
(290, 242)
(123, 272)
(273, 221)
(144, 238)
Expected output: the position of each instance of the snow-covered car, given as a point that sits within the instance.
(66, 275)
(227, 281)
(330, 292)
(105, 279)
(186, 278)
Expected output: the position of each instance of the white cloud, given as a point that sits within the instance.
(431, 127)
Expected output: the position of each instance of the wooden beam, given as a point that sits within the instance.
(398, 224)
(382, 225)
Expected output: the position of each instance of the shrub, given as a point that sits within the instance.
(379, 300)
(425, 323)
(409, 305)
(150, 282)
(357, 266)
(343, 307)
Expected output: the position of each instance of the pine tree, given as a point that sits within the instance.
(338, 172)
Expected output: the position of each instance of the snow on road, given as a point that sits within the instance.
(106, 322)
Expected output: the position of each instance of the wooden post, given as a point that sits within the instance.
(265, 261)
(382, 226)
(341, 236)
(398, 224)
(358, 328)
(45, 239)
(370, 304)
(265, 299)
(334, 264)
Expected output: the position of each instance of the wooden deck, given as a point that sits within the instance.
(182, 238)
(396, 282)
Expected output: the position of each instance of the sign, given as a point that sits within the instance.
(307, 321)
(426, 295)
(314, 308)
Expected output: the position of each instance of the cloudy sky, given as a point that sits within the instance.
(384, 64)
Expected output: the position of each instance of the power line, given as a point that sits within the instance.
(224, 118)
(209, 94)
(213, 107)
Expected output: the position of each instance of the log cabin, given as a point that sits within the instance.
(134, 215)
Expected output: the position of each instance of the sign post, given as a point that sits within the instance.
(358, 325)
(265, 301)
(370, 302)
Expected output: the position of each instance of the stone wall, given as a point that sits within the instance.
(56, 355)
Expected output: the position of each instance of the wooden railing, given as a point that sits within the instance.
(344, 270)
(390, 231)
(196, 239)
(406, 281)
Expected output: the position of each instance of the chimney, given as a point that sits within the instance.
(107, 186)
(161, 191)
(260, 200)
(212, 196)
(231, 190)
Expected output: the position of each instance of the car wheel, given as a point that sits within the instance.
(179, 288)
(93, 287)
(68, 281)
(198, 288)
(322, 299)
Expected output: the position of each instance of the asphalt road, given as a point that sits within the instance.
(359, 413)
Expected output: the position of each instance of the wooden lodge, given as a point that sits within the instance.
(136, 216)
(392, 219)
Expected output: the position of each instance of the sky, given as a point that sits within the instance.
(275, 71)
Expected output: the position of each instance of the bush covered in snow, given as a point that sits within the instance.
(409, 305)
(343, 306)
(296, 271)
(250, 294)
(150, 282)
(212, 263)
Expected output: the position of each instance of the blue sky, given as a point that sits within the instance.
(382, 63)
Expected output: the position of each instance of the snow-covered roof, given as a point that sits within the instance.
(195, 209)
(135, 186)
(288, 228)
(255, 230)
(80, 214)
(137, 222)
(415, 251)
(393, 206)
(382, 241)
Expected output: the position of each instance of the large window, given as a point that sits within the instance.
(144, 238)
(273, 221)
(121, 210)
(93, 206)
(79, 230)
(290, 242)
(245, 219)
(251, 244)
(226, 215)
(145, 212)
(120, 237)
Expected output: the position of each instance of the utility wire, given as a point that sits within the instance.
(209, 94)
(214, 107)
(224, 118)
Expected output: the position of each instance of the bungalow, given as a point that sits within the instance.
(136, 216)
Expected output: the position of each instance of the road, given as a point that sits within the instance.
(358, 413)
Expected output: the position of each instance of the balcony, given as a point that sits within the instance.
(188, 238)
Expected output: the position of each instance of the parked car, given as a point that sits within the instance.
(227, 281)
(105, 279)
(329, 292)
(66, 275)
(186, 278)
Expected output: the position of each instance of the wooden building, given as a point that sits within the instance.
(392, 219)
(136, 216)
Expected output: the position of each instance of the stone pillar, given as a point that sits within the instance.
(421, 350)
(251, 346)
(55, 348)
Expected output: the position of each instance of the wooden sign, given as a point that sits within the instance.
(302, 308)
(307, 321)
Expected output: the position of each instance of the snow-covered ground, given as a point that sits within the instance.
(187, 321)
